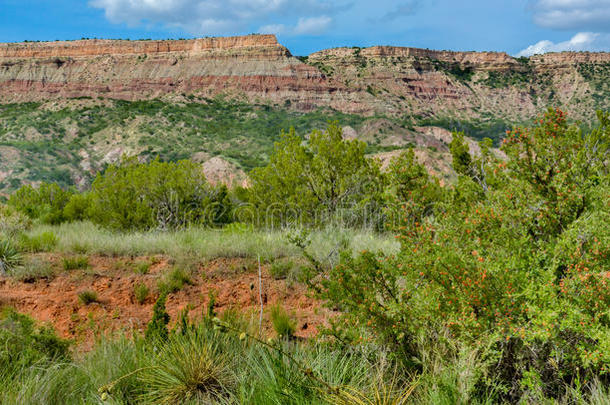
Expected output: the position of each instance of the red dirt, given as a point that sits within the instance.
(56, 301)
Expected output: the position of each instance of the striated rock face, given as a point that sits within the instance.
(378, 80)
(255, 66)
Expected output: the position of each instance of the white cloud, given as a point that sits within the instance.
(583, 41)
(277, 29)
(313, 25)
(214, 17)
(572, 14)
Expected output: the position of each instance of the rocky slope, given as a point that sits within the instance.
(68, 108)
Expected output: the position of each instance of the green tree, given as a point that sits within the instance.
(317, 180)
(521, 267)
(162, 195)
(45, 202)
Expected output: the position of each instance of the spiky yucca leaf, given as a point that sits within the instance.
(188, 368)
(10, 257)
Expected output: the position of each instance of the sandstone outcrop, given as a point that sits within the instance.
(377, 80)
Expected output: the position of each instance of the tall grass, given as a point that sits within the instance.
(202, 243)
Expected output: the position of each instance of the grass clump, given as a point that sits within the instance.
(75, 263)
(141, 267)
(141, 293)
(279, 270)
(282, 322)
(175, 280)
(32, 270)
(88, 297)
(42, 242)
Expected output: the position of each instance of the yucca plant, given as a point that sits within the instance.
(188, 368)
(10, 258)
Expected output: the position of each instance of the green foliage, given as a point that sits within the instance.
(78, 208)
(44, 203)
(175, 280)
(188, 369)
(42, 242)
(87, 297)
(460, 152)
(157, 327)
(516, 256)
(142, 267)
(75, 263)
(23, 344)
(326, 179)
(12, 222)
(412, 193)
(282, 322)
(160, 195)
(10, 257)
(279, 270)
(140, 293)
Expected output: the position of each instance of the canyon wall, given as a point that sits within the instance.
(376, 80)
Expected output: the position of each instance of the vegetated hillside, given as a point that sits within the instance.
(68, 108)
(68, 141)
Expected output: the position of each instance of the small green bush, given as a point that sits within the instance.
(140, 293)
(45, 203)
(282, 322)
(75, 263)
(88, 297)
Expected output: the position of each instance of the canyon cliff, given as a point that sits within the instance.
(376, 80)
(68, 108)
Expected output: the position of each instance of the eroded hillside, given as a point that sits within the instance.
(69, 108)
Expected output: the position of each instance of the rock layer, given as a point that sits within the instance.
(380, 79)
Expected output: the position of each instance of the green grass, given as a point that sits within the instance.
(175, 280)
(140, 293)
(33, 269)
(75, 263)
(87, 297)
(283, 324)
(205, 244)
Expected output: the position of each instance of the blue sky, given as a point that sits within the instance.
(516, 26)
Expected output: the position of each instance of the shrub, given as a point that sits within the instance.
(328, 178)
(140, 293)
(45, 202)
(10, 258)
(169, 196)
(516, 256)
(75, 263)
(24, 344)
(282, 322)
(88, 297)
(157, 327)
(78, 208)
